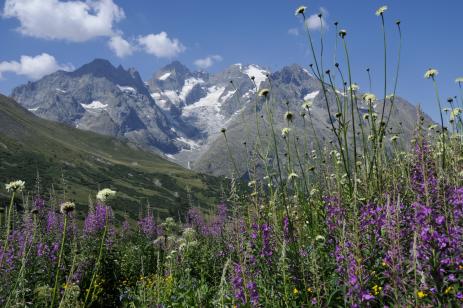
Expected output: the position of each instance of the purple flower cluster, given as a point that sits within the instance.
(97, 219)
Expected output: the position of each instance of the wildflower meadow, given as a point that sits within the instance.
(369, 219)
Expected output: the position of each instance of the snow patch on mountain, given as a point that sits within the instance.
(95, 105)
(164, 76)
(259, 74)
(311, 95)
(193, 144)
(126, 89)
(225, 97)
(60, 90)
(189, 84)
(34, 109)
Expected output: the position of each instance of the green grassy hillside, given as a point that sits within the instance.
(74, 164)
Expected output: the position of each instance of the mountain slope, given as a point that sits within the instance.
(101, 98)
(88, 161)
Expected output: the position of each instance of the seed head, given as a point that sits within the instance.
(223, 130)
(459, 80)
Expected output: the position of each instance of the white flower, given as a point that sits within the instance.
(307, 105)
(369, 97)
(432, 127)
(67, 207)
(285, 131)
(459, 80)
(366, 116)
(431, 73)
(342, 33)
(189, 234)
(394, 138)
(390, 96)
(264, 92)
(105, 194)
(381, 10)
(292, 176)
(252, 183)
(300, 10)
(320, 238)
(455, 113)
(16, 186)
(289, 116)
(354, 87)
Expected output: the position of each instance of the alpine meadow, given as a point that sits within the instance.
(241, 185)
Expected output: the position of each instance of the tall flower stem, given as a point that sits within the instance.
(61, 249)
(441, 121)
(100, 254)
(8, 225)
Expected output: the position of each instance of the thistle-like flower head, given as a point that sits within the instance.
(292, 176)
(459, 80)
(431, 73)
(285, 131)
(264, 92)
(342, 33)
(67, 207)
(15, 186)
(354, 87)
(369, 97)
(307, 105)
(105, 194)
(289, 116)
(300, 10)
(390, 96)
(381, 10)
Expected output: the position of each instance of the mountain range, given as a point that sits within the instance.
(61, 162)
(180, 113)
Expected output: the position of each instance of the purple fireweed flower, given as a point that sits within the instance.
(147, 226)
(96, 220)
(253, 293)
(238, 284)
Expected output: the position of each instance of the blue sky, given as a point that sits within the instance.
(149, 34)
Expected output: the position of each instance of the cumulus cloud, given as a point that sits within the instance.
(208, 61)
(160, 45)
(120, 46)
(33, 67)
(75, 21)
(293, 31)
(314, 23)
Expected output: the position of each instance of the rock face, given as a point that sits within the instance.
(180, 113)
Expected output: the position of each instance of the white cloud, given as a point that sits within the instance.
(33, 67)
(75, 21)
(160, 45)
(120, 46)
(315, 23)
(293, 31)
(208, 61)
